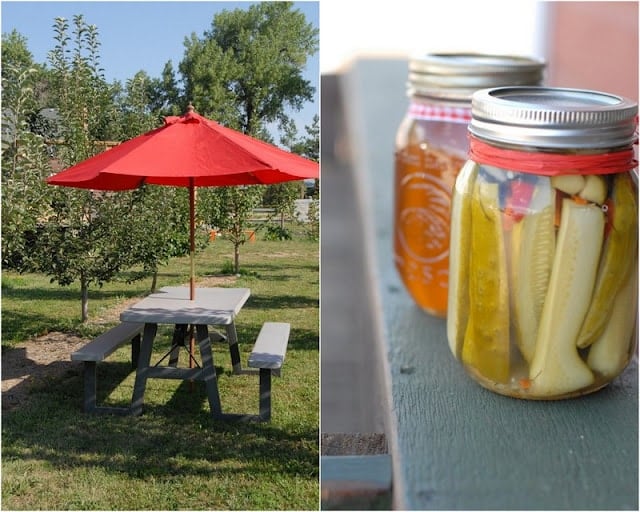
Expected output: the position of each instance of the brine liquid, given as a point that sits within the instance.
(424, 179)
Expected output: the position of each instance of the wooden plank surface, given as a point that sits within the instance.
(455, 445)
(353, 398)
(356, 482)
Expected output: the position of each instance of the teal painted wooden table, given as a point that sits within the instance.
(455, 445)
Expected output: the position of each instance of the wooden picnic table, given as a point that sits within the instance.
(171, 305)
(454, 444)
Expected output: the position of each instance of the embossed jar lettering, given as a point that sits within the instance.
(431, 147)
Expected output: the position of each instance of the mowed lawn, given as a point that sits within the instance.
(174, 456)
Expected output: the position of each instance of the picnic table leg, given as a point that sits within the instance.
(209, 370)
(135, 351)
(265, 394)
(232, 339)
(144, 362)
(179, 335)
(90, 386)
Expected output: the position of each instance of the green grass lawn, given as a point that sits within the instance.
(174, 456)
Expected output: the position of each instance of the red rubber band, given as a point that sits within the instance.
(551, 164)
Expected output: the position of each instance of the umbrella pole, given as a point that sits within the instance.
(192, 240)
(192, 250)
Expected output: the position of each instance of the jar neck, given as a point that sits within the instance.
(552, 163)
(430, 109)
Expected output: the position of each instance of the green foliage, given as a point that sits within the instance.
(81, 237)
(229, 209)
(164, 93)
(88, 236)
(15, 52)
(282, 197)
(248, 67)
(78, 242)
(25, 161)
(312, 226)
(308, 146)
(228, 268)
(277, 233)
(82, 96)
(135, 116)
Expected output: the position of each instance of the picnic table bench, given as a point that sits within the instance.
(98, 350)
(268, 355)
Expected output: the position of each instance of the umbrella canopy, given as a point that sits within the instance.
(188, 151)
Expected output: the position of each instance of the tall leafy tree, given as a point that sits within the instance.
(246, 72)
(78, 241)
(248, 68)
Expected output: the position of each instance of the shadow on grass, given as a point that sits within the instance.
(264, 302)
(299, 339)
(21, 323)
(282, 271)
(66, 293)
(20, 326)
(177, 437)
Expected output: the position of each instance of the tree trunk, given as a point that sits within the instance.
(154, 281)
(281, 220)
(236, 251)
(84, 291)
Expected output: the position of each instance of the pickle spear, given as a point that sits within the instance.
(610, 352)
(459, 249)
(617, 259)
(533, 246)
(556, 367)
(486, 342)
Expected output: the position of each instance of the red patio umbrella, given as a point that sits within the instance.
(188, 151)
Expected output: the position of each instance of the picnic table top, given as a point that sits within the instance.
(171, 304)
(454, 444)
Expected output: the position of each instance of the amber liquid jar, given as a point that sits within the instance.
(543, 289)
(430, 148)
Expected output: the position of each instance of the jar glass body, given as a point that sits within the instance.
(543, 289)
(428, 156)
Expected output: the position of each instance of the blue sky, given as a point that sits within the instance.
(141, 35)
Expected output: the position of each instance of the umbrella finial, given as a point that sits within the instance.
(190, 108)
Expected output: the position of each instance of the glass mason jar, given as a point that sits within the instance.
(431, 147)
(543, 288)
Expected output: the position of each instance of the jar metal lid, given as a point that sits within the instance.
(552, 117)
(456, 76)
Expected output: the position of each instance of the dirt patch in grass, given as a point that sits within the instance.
(34, 362)
(48, 357)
